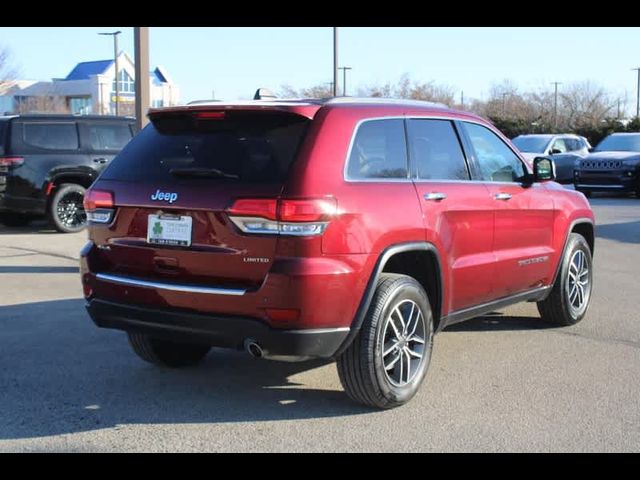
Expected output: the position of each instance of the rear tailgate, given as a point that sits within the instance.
(171, 185)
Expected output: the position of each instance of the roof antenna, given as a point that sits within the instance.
(264, 93)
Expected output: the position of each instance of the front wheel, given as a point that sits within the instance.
(569, 299)
(388, 359)
(66, 211)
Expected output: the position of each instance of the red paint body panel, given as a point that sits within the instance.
(479, 240)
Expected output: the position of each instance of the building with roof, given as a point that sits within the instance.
(89, 88)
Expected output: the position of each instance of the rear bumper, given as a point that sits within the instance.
(217, 330)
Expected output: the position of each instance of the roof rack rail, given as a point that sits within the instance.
(384, 100)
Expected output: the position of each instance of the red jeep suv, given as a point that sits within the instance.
(351, 229)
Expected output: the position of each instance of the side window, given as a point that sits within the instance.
(496, 161)
(51, 136)
(560, 145)
(436, 151)
(108, 136)
(379, 151)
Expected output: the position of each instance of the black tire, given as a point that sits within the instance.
(361, 366)
(557, 308)
(587, 193)
(166, 353)
(11, 219)
(65, 213)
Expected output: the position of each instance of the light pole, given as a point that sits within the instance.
(335, 61)
(141, 46)
(555, 104)
(115, 59)
(638, 94)
(344, 79)
(504, 95)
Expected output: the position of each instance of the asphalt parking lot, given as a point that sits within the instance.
(504, 382)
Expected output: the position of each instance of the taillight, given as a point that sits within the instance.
(255, 207)
(302, 217)
(99, 206)
(11, 161)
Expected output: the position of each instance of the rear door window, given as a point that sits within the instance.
(435, 150)
(50, 135)
(378, 151)
(103, 137)
(239, 146)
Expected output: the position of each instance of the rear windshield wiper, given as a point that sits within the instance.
(201, 172)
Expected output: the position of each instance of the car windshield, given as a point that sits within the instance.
(619, 143)
(531, 144)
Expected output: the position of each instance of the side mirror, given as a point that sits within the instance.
(555, 151)
(590, 149)
(544, 169)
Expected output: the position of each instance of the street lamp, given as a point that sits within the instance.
(638, 94)
(555, 104)
(115, 59)
(344, 79)
(335, 61)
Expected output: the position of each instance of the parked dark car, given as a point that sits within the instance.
(565, 149)
(47, 162)
(614, 165)
(347, 228)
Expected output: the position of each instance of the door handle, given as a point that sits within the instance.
(435, 196)
(503, 196)
(100, 160)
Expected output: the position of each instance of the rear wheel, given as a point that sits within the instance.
(388, 359)
(166, 353)
(66, 211)
(587, 193)
(11, 219)
(569, 299)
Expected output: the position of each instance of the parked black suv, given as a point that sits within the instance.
(47, 161)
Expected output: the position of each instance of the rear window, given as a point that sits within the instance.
(254, 147)
(105, 136)
(51, 136)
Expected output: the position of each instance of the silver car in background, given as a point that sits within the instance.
(565, 150)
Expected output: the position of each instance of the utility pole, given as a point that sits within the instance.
(462, 100)
(555, 104)
(115, 60)
(141, 47)
(504, 95)
(344, 79)
(638, 94)
(618, 115)
(335, 61)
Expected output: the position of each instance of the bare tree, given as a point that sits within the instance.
(586, 104)
(7, 72)
(406, 88)
(42, 104)
(316, 91)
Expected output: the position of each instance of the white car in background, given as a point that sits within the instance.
(564, 149)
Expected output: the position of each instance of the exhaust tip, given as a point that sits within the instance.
(253, 348)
